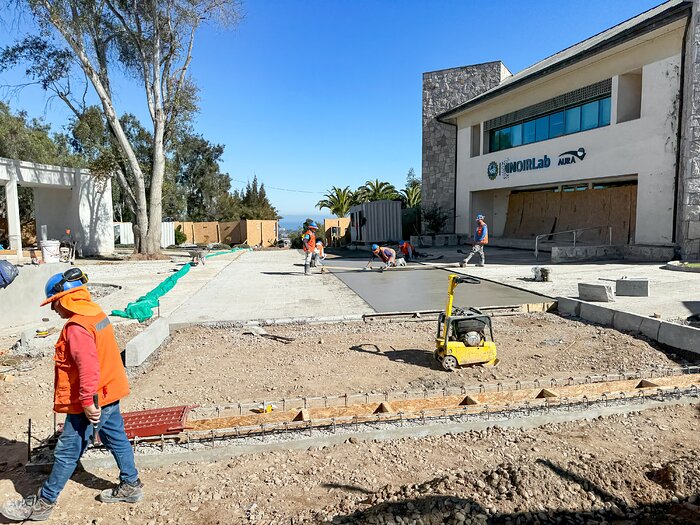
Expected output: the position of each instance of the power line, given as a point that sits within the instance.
(280, 189)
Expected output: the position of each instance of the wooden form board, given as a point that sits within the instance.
(536, 212)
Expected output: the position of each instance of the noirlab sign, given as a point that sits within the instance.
(507, 167)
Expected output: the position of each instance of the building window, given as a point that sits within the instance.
(476, 135)
(583, 117)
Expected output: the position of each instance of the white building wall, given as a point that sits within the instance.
(644, 147)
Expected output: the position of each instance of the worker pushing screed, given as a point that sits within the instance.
(386, 255)
(90, 380)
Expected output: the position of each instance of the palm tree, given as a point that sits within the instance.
(374, 190)
(411, 196)
(338, 200)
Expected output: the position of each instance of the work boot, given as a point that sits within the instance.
(31, 508)
(463, 263)
(124, 492)
(307, 270)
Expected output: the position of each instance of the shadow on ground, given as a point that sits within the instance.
(13, 456)
(411, 356)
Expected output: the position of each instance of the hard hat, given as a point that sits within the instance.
(319, 242)
(401, 243)
(62, 282)
(375, 247)
(480, 217)
(313, 225)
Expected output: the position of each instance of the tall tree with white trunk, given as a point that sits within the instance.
(83, 43)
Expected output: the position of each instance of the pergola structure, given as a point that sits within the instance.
(64, 198)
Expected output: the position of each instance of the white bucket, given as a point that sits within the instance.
(50, 251)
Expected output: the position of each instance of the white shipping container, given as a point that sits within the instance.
(375, 222)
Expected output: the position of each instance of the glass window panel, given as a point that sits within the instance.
(493, 141)
(589, 115)
(604, 112)
(573, 120)
(542, 128)
(528, 132)
(505, 138)
(516, 135)
(556, 124)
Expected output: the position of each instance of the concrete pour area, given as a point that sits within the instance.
(636, 467)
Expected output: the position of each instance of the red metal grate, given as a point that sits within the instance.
(146, 423)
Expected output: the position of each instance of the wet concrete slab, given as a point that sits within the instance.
(425, 289)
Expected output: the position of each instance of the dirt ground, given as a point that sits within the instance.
(641, 468)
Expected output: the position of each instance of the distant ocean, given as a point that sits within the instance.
(293, 222)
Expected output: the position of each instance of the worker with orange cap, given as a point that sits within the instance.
(90, 380)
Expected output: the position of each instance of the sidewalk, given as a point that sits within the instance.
(269, 284)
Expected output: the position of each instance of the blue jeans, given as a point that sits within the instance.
(73, 441)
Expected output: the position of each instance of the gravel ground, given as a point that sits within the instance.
(639, 468)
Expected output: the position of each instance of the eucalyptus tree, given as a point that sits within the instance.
(86, 44)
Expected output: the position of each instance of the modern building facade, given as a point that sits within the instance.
(603, 135)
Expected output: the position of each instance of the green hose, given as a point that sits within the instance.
(142, 308)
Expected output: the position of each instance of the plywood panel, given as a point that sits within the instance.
(206, 232)
(514, 215)
(230, 232)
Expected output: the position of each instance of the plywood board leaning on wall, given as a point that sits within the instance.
(515, 215)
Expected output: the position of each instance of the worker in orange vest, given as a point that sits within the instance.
(319, 255)
(408, 250)
(308, 241)
(90, 380)
(481, 239)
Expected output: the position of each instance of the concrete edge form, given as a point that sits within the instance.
(674, 335)
(147, 342)
(224, 452)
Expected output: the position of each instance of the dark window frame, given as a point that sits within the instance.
(495, 145)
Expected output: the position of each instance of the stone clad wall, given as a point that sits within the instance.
(442, 91)
(689, 191)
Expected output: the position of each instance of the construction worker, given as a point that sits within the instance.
(90, 380)
(308, 241)
(386, 255)
(319, 255)
(481, 239)
(408, 250)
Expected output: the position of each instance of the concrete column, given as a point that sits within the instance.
(13, 223)
(689, 181)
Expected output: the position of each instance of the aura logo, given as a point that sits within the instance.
(492, 170)
(569, 157)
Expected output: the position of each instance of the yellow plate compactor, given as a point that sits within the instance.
(465, 338)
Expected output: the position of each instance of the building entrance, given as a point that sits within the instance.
(575, 206)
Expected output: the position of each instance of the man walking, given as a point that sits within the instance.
(481, 239)
(308, 241)
(90, 380)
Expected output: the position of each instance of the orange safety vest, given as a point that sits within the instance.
(405, 248)
(309, 246)
(479, 230)
(113, 384)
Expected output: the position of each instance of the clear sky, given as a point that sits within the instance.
(309, 94)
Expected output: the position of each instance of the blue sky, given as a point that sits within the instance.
(309, 94)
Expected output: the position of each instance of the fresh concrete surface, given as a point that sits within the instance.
(420, 290)
(267, 285)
